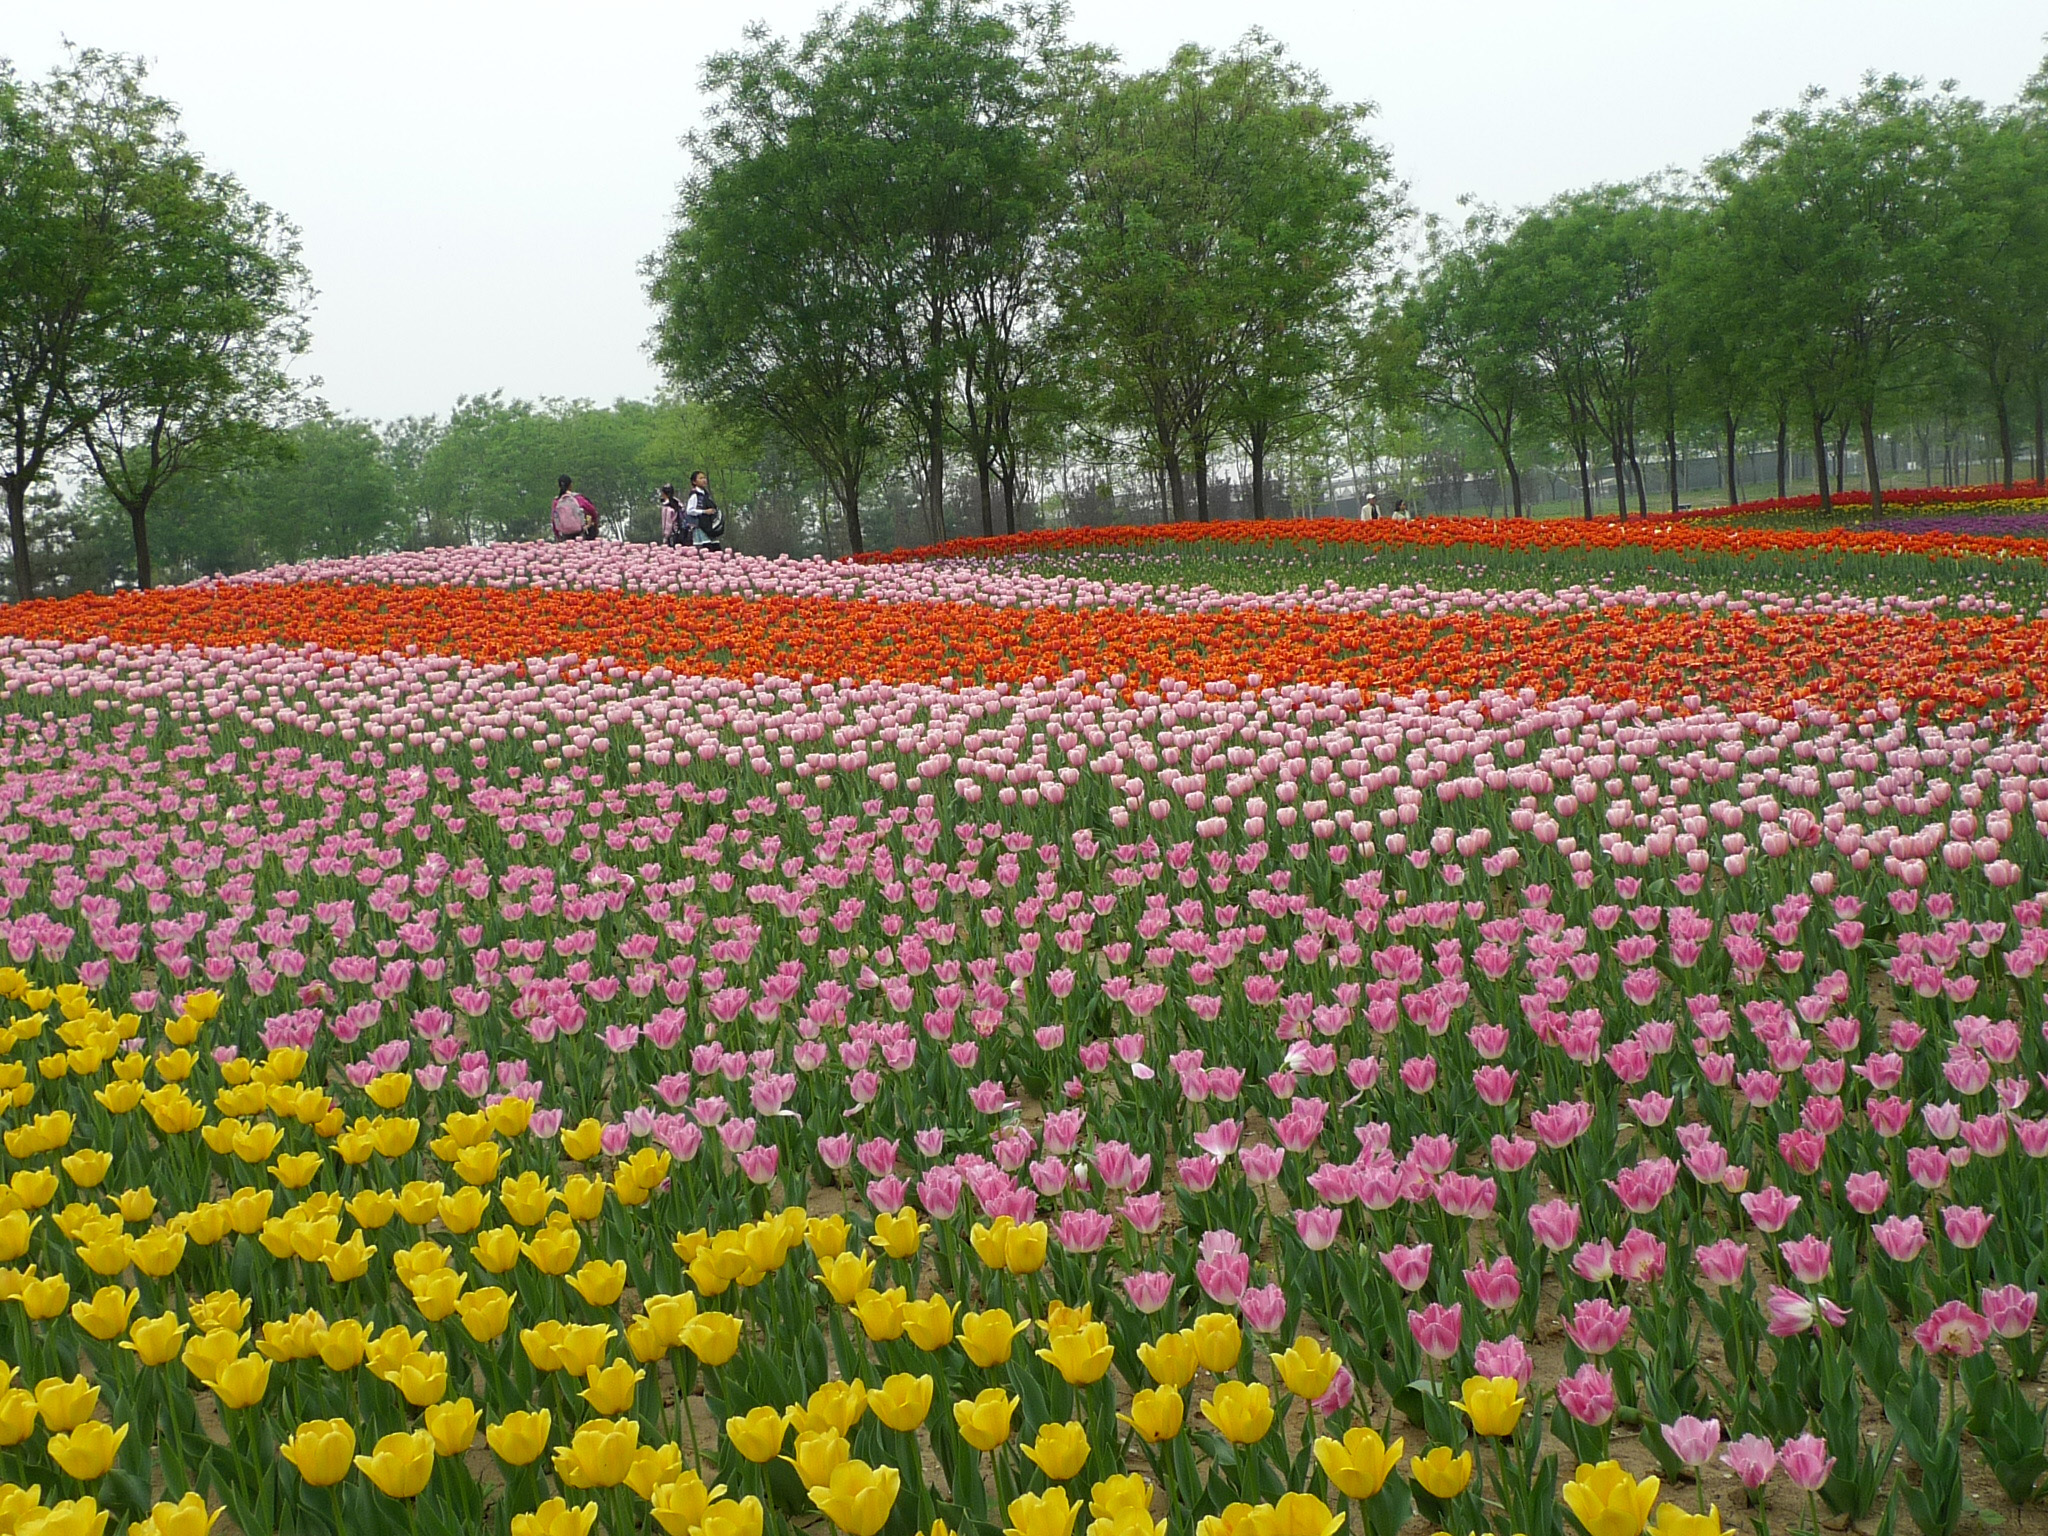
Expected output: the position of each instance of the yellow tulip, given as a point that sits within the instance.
(87, 1166)
(1170, 1359)
(400, 1464)
(423, 1380)
(207, 1354)
(87, 1451)
(158, 1252)
(835, 1405)
(583, 1196)
(17, 1415)
(67, 1517)
(655, 1467)
(1308, 1368)
(1218, 1342)
(527, 1198)
(479, 1164)
(757, 1434)
(1442, 1473)
(599, 1455)
(155, 1340)
(242, 1383)
(556, 1517)
(1494, 1404)
(497, 1249)
(859, 1497)
(670, 1315)
(845, 1276)
(553, 1250)
(1608, 1501)
(984, 1421)
(1156, 1414)
(438, 1294)
(65, 1404)
(899, 1235)
(350, 1260)
(1082, 1358)
(519, 1438)
(986, 1337)
(1359, 1464)
(929, 1323)
(880, 1313)
(187, 1517)
(732, 1517)
(582, 1142)
(1295, 1514)
(1060, 1451)
(1673, 1521)
(991, 1241)
(453, 1426)
(817, 1454)
(826, 1236)
(902, 1402)
(600, 1282)
(321, 1450)
(342, 1345)
(46, 1297)
(463, 1211)
(713, 1337)
(1241, 1413)
(611, 1388)
(1051, 1513)
(106, 1316)
(1024, 1248)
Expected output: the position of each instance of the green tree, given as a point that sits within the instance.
(1457, 341)
(1837, 212)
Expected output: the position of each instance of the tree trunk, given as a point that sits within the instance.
(2004, 432)
(1177, 488)
(1635, 468)
(988, 508)
(1514, 480)
(1671, 460)
(17, 532)
(1009, 475)
(1820, 458)
(1870, 474)
(849, 503)
(2040, 434)
(1202, 485)
(1784, 447)
(1841, 457)
(1585, 480)
(1620, 479)
(138, 518)
(1728, 428)
(1258, 445)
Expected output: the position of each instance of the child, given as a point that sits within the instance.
(573, 516)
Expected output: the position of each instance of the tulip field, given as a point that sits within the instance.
(1275, 1031)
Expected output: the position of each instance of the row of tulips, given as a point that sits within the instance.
(377, 1420)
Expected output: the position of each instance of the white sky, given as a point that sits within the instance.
(477, 183)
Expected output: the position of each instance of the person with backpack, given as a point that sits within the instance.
(706, 524)
(674, 528)
(574, 515)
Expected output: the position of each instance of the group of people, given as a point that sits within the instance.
(1369, 509)
(692, 521)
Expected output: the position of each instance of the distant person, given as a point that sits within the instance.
(1369, 509)
(1401, 512)
(574, 515)
(706, 524)
(674, 530)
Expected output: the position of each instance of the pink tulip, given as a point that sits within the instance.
(1495, 1286)
(1149, 1290)
(2009, 1309)
(1807, 1462)
(1966, 1225)
(1597, 1325)
(1555, 1224)
(1438, 1329)
(1588, 1394)
(1693, 1441)
(1722, 1263)
(1263, 1307)
(1504, 1357)
(1753, 1459)
(1408, 1265)
(1318, 1226)
(1954, 1329)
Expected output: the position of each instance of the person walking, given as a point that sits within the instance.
(706, 524)
(574, 515)
(1369, 509)
(674, 530)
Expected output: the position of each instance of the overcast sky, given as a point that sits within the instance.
(477, 183)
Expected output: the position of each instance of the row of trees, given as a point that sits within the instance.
(149, 307)
(937, 226)
(937, 269)
(1883, 257)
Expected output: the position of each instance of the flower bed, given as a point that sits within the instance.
(477, 1088)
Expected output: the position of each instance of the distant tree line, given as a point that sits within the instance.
(936, 269)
